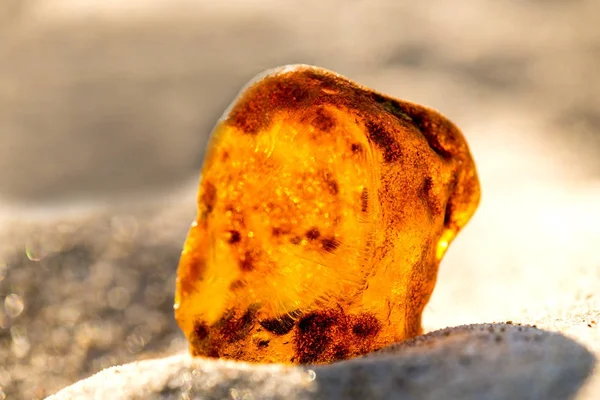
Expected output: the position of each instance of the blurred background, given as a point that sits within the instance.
(106, 106)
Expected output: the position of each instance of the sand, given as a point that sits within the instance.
(105, 109)
(469, 362)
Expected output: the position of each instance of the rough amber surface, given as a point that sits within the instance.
(324, 210)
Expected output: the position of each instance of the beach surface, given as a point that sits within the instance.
(105, 110)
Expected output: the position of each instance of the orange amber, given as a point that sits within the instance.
(324, 210)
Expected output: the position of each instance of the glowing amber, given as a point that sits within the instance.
(323, 212)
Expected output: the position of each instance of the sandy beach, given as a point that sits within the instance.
(105, 110)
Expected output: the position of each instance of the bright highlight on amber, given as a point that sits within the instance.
(324, 210)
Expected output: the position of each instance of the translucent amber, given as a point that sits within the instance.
(324, 210)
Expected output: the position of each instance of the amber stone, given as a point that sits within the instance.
(324, 210)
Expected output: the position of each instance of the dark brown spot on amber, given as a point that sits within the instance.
(434, 202)
(317, 321)
(233, 328)
(212, 351)
(448, 214)
(426, 126)
(313, 234)
(378, 97)
(366, 325)
(195, 268)
(330, 182)
(295, 240)
(290, 94)
(384, 140)
(200, 331)
(323, 120)
(312, 337)
(278, 326)
(234, 237)
(356, 148)
(263, 344)
(276, 232)
(364, 200)
(247, 262)
(340, 352)
(237, 284)
(206, 348)
(252, 114)
(451, 205)
(246, 122)
(322, 81)
(428, 184)
(392, 106)
(333, 187)
(209, 196)
(330, 243)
